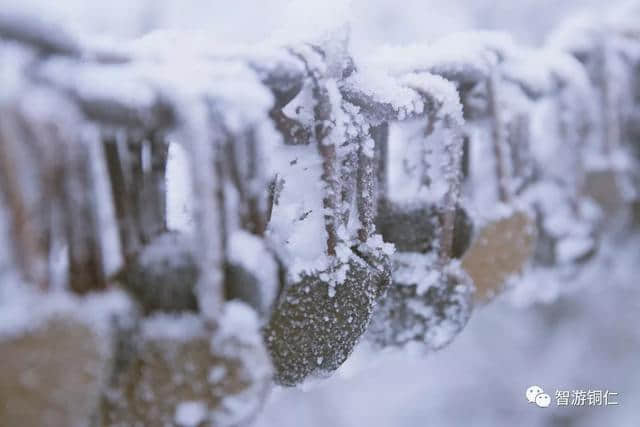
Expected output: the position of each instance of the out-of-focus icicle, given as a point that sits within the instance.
(30, 251)
(442, 103)
(204, 145)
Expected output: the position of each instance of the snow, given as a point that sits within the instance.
(416, 269)
(376, 242)
(190, 414)
(175, 327)
(250, 252)
(297, 223)
(443, 92)
(384, 89)
(566, 104)
(167, 251)
(238, 338)
(23, 310)
(425, 309)
(469, 55)
(97, 82)
(179, 191)
(217, 374)
(570, 343)
(238, 320)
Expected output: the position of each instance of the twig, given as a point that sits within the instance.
(348, 177)
(86, 270)
(497, 137)
(129, 237)
(156, 185)
(366, 190)
(380, 136)
(322, 129)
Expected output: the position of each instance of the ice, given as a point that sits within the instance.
(18, 317)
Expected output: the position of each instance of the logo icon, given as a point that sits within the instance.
(535, 394)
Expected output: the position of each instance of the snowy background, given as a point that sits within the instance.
(373, 22)
(588, 338)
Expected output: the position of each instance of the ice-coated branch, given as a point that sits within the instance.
(294, 132)
(380, 136)
(519, 141)
(442, 102)
(122, 189)
(367, 199)
(323, 125)
(498, 137)
(349, 177)
(202, 139)
(155, 181)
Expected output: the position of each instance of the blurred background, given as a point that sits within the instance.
(585, 337)
(373, 22)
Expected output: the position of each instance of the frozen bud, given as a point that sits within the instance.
(423, 305)
(318, 322)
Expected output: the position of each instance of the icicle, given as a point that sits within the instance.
(29, 251)
(122, 190)
(154, 185)
(61, 180)
(203, 143)
(444, 105)
(159, 266)
(250, 267)
(86, 269)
